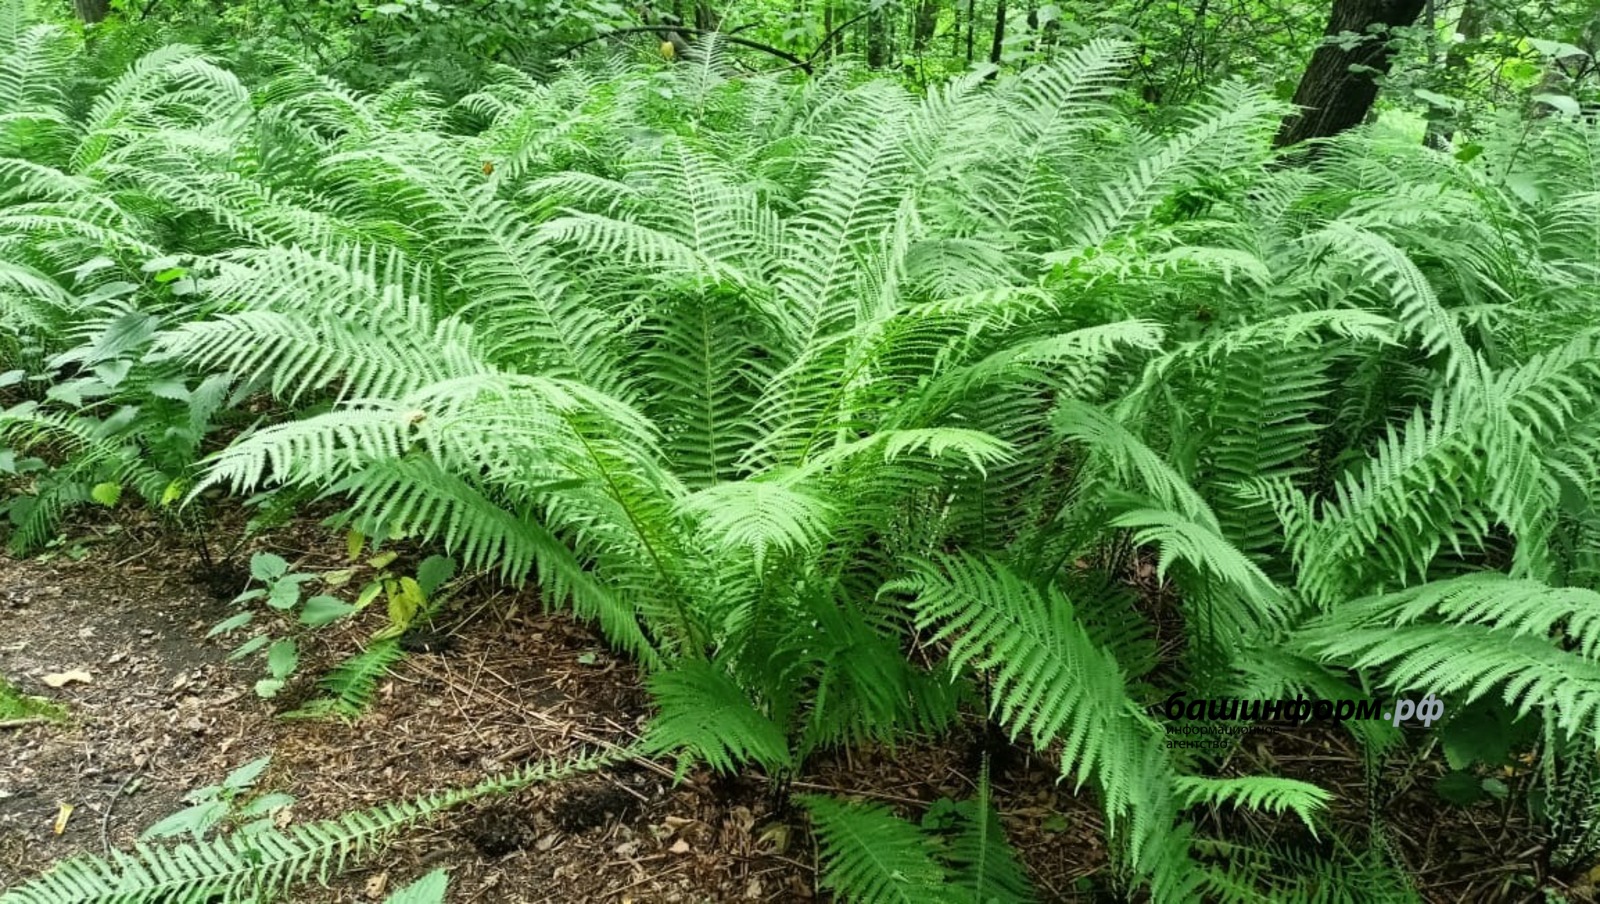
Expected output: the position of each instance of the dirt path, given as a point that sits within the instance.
(155, 717)
(164, 713)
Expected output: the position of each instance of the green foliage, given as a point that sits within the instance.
(16, 705)
(348, 688)
(840, 406)
(209, 807)
(430, 889)
(246, 866)
(706, 716)
(281, 591)
(1271, 874)
(958, 854)
(1474, 635)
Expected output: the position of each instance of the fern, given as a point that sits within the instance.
(984, 865)
(1051, 680)
(959, 854)
(269, 861)
(348, 688)
(1473, 636)
(873, 856)
(1257, 792)
(705, 714)
(795, 384)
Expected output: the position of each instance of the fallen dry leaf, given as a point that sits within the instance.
(64, 814)
(679, 847)
(58, 679)
(774, 839)
(376, 885)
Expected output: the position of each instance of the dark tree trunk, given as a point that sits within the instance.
(1333, 96)
(999, 32)
(972, 26)
(877, 39)
(927, 19)
(91, 11)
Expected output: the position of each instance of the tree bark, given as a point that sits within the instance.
(1333, 97)
(972, 26)
(927, 19)
(91, 11)
(999, 32)
(877, 39)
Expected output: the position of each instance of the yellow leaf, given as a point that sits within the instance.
(405, 600)
(172, 493)
(383, 561)
(64, 814)
(353, 543)
(667, 50)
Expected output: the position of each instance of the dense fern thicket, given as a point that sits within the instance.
(843, 409)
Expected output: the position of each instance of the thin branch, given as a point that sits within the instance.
(683, 29)
(828, 38)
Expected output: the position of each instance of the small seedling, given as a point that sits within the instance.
(407, 596)
(282, 590)
(227, 802)
(15, 705)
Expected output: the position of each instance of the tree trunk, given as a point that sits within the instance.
(972, 26)
(999, 32)
(955, 30)
(91, 11)
(826, 50)
(877, 39)
(1333, 96)
(927, 19)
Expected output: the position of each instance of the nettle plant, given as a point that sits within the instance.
(844, 409)
(410, 600)
(281, 590)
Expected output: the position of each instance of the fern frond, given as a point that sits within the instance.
(1475, 636)
(871, 856)
(1051, 680)
(984, 865)
(1258, 792)
(349, 687)
(243, 867)
(705, 715)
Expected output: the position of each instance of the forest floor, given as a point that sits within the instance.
(163, 712)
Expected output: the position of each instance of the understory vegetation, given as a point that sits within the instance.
(847, 409)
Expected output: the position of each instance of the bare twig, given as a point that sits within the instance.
(784, 55)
